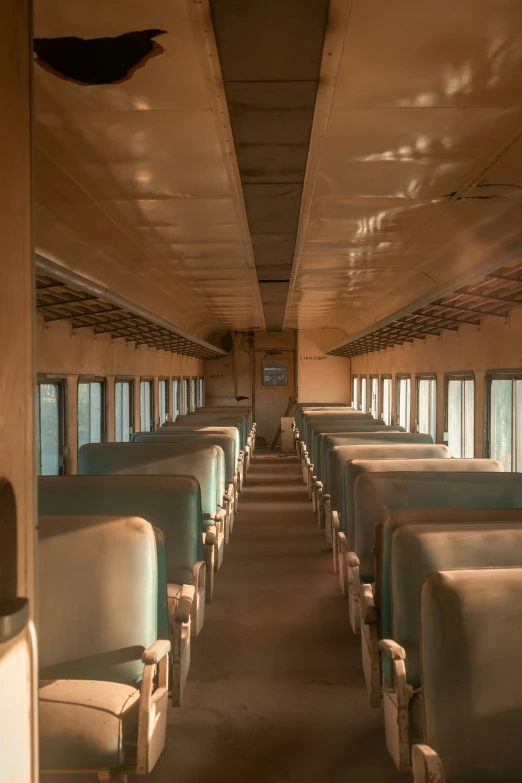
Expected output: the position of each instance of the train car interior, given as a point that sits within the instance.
(261, 391)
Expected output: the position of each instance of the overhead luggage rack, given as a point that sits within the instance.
(494, 294)
(65, 296)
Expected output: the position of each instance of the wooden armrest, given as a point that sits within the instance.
(342, 543)
(210, 535)
(184, 606)
(199, 575)
(368, 610)
(392, 650)
(353, 560)
(426, 765)
(319, 484)
(153, 654)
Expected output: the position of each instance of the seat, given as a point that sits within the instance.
(374, 498)
(422, 541)
(203, 461)
(471, 626)
(103, 672)
(170, 503)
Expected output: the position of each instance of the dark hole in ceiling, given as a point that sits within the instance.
(97, 60)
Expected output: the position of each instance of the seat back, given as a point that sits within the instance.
(227, 442)
(244, 410)
(365, 425)
(301, 407)
(318, 433)
(170, 503)
(427, 540)
(203, 461)
(382, 488)
(471, 636)
(206, 420)
(309, 422)
(97, 597)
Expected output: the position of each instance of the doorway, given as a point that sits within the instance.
(274, 386)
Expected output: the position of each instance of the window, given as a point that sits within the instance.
(163, 401)
(193, 393)
(146, 405)
(460, 416)
(186, 396)
(364, 395)
(505, 420)
(201, 391)
(50, 419)
(427, 406)
(386, 399)
(176, 398)
(91, 411)
(355, 390)
(123, 410)
(275, 371)
(404, 401)
(374, 397)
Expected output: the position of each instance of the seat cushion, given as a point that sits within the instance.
(86, 724)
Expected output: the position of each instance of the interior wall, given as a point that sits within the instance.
(495, 346)
(67, 353)
(321, 378)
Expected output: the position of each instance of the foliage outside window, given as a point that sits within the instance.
(176, 398)
(374, 397)
(201, 400)
(146, 406)
(185, 402)
(364, 395)
(49, 402)
(163, 401)
(90, 412)
(123, 411)
(505, 421)
(386, 412)
(427, 406)
(275, 371)
(355, 390)
(193, 394)
(404, 402)
(461, 417)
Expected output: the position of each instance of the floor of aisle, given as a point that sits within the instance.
(276, 691)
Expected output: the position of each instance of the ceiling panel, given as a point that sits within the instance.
(415, 163)
(135, 186)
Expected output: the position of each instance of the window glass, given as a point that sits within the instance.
(518, 423)
(427, 406)
(501, 422)
(90, 412)
(404, 402)
(275, 371)
(193, 394)
(176, 398)
(163, 401)
(146, 406)
(48, 401)
(364, 396)
(186, 395)
(374, 397)
(122, 411)
(355, 389)
(387, 400)
(461, 417)
(201, 391)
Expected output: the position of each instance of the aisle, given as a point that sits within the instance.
(275, 690)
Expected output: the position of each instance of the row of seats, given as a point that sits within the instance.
(128, 554)
(428, 551)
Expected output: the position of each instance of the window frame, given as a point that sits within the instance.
(201, 390)
(382, 378)
(426, 376)
(371, 379)
(150, 380)
(63, 452)
(104, 405)
(364, 397)
(459, 375)
(175, 410)
(278, 357)
(185, 398)
(502, 375)
(193, 393)
(402, 376)
(355, 388)
(165, 380)
(132, 404)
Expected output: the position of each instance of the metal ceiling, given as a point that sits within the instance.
(414, 173)
(494, 294)
(88, 308)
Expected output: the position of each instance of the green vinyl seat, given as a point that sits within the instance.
(226, 441)
(221, 420)
(471, 626)
(103, 690)
(203, 461)
(322, 419)
(319, 433)
(420, 541)
(301, 407)
(170, 503)
(243, 410)
(454, 483)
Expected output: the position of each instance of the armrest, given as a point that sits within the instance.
(392, 650)
(228, 498)
(368, 610)
(342, 543)
(210, 535)
(319, 484)
(199, 574)
(426, 765)
(156, 652)
(353, 560)
(184, 606)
